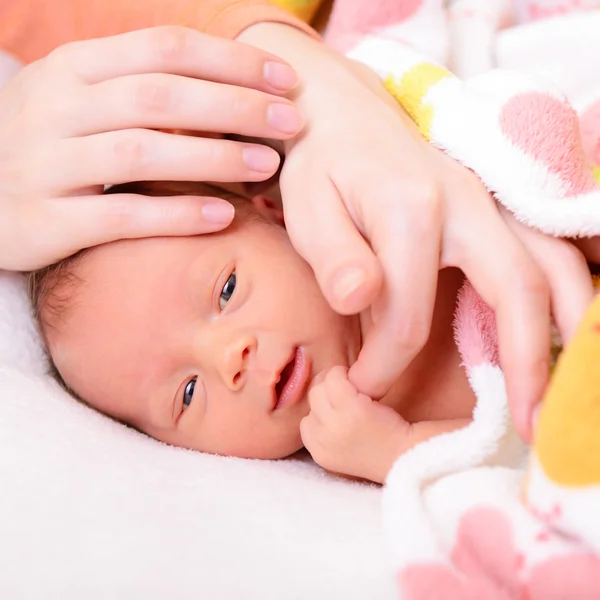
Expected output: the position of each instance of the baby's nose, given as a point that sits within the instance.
(236, 358)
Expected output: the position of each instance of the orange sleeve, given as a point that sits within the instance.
(30, 29)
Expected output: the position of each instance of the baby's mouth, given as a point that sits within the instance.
(292, 380)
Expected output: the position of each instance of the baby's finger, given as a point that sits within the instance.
(91, 220)
(339, 389)
(348, 272)
(320, 404)
(158, 101)
(179, 51)
(143, 155)
(403, 312)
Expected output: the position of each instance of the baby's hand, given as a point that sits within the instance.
(347, 432)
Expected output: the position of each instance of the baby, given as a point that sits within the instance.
(224, 343)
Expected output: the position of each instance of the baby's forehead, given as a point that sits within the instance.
(125, 256)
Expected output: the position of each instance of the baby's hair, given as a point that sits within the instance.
(51, 291)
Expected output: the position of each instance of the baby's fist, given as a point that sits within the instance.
(347, 432)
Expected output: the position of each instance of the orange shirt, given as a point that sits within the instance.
(30, 29)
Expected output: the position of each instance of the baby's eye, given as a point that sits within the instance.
(227, 291)
(188, 393)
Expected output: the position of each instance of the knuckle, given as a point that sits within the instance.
(425, 195)
(361, 410)
(336, 428)
(152, 95)
(411, 335)
(531, 281)
(239, 102)
(169, 43)
(129, 154)
(218, 154)
(118, 216)
(428, 196)
(422, 202)
(61, 58)
(569, 255)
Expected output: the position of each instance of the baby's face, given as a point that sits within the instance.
(206, 342)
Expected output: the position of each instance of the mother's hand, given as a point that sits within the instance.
(89, 115)
(377, 211)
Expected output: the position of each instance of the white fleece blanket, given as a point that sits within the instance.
(91, 509)
(461, 520)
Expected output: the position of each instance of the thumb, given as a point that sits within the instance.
(92, 220)
(347, 270)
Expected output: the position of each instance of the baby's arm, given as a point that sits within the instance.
(348, 433)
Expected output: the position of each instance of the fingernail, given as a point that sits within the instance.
(347, 282)
(281, 77)
(284, 118)
(260, 158)
(219, 212)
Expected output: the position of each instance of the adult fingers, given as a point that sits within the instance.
(571, 289)
(144, 155)
(179, 51)
(158, 101)
(565, 269)
(346, 269)
(510, 281)
(91, 220)
(402, 314)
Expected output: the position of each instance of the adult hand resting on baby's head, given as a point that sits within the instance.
(377, 211)
(88, 115)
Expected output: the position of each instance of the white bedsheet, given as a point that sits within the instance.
(90, 509)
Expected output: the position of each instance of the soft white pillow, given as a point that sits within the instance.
(90, 509)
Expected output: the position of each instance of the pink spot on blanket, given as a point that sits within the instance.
(566, 578)
(543, 537)
(542, 9)
(350, 20)
(589, 125)
(548, 130)
(475, 330)
(485, 564)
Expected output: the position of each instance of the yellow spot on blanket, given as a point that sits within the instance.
(411, 90)
(303, 9)
(567, 440)
(596, 173)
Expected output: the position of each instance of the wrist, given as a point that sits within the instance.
(391, 445)
(307, 55)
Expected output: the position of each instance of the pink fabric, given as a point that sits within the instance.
(535, 10)
(589, 124)
(553, 140)
(487, 565)
(350, 21)
(475, 329)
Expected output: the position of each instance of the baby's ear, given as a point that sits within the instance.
(269, 209)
